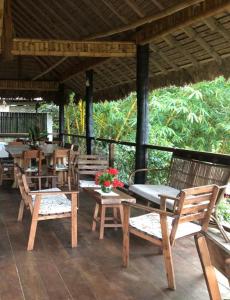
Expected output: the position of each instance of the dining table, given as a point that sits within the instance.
(16, 152)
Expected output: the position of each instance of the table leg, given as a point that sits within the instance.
(121, 214)
(102, 222)
(95, 215)
(115, 217)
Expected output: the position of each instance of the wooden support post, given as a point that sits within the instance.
(142, 66)
(61, 111)
(89, 110)
(111, 154)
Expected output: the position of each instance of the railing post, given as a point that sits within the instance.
(89, 110)
(111, 154)
(142, 69)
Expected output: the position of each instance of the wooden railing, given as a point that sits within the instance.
(190, 154)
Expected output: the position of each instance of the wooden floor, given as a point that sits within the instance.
(92, 270)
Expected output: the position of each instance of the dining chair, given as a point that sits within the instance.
(191, 215)
(46, 204)
(87, 166)
(60, 165)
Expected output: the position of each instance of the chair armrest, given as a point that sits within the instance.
(168, 197)
(147, 208)
(163, 199)
(47, 193)
(130, 182)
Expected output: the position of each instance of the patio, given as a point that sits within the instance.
(102, 50)
(93, 269)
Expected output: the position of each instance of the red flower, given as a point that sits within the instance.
(107, 183)
(113, 172)
(117, 183)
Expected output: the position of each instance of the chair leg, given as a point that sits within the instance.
(125, 255)
(167, 253)
(74, 220)
(33, 229)
(34, 223)
(208, 269)
(115, 217)
(21, 210)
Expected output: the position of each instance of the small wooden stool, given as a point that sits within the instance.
(112, 202)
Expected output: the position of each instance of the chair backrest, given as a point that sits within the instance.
(195, 205)
(186, 173)
(61, 156)
(23, 187)
(30, 155)
(91, 164)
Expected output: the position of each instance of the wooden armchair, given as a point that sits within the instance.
(46, 205)
(87, 166)
(193, 209)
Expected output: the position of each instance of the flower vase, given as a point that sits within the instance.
(106, 189)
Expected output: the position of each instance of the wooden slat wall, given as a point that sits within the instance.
(21, 122)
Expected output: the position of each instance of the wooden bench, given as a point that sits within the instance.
(182, 173)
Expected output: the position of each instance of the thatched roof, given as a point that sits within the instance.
(189, 42)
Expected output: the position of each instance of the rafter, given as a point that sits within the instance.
(1, 16)
(7, 34)
(49, 69)
(81, 67)
(29, 85)
(214, 25)
(36, 47)
(173, 22)
(140, 22)
(192, 33)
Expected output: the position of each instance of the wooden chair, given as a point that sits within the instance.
(86, 169)
(28, 158)
(60, 162)
(72, 161)
(46, 205)
(6, 170)
(191, 216)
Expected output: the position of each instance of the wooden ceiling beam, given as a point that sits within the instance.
(37, 47)
(25, 85)
(52, 67)
(216, 26)
(140, 22)
(173, 22)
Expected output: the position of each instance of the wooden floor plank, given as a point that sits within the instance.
(93, 270)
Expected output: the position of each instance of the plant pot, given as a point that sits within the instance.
(106, 189)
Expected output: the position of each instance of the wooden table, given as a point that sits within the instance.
(106, 201)
(16, 153)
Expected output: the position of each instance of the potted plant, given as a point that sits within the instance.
(108, 179)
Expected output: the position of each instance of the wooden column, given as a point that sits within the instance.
(61, 99)
(142, 69)
(89, 110)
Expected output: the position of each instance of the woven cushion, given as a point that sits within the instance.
(32, 169)
(150, 224)
(88, 184)
(151, 192)
(53, 204)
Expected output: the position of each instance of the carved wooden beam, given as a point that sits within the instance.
(29, 85)
(186, 17)
(36, 47)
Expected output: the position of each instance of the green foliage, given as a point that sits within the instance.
(35, 134)
(223, 210)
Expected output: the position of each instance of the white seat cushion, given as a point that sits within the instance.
(32, 169)
(88, 184)
(150, 224)
(53, 204)
(151, 192)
